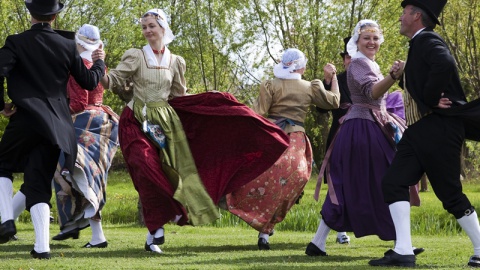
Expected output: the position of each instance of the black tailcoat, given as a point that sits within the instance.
(429, 52)
(37, 64)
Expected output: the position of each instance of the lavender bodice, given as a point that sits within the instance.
(362, 74)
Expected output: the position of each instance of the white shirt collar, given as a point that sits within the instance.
(418, 32)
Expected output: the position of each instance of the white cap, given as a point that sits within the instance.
(352, 43)
(162, 20)
(292, 59)
(88, 36)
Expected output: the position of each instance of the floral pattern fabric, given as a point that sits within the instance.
(265, 201)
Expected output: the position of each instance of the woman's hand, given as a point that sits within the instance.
(98, 53)
(329, 70)
(397, 69)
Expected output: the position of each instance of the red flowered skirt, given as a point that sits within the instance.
(265, 201)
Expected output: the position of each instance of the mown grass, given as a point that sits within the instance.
(231, 244)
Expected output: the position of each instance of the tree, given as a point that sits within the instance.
(232, 46)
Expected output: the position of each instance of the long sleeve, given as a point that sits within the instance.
(179, 87)
(125, 69)
(323, 98)
(264, 100)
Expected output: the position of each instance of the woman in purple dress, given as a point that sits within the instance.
(362, 149)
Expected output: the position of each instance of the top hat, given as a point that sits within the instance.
(432, 7)
(44, 7)
(345, 40)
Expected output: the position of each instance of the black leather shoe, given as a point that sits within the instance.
(4, 239)
(41, 255)
(417, 251)
(151, 248)
(7, 230)
(313, 250)
(159, 240)
(101, 245)
(75, 233)
(474, 261)
(392, 258)
(263, 244)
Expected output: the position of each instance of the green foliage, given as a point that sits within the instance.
(231, 46)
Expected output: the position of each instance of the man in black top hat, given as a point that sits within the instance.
(432, 143)
(37, 64)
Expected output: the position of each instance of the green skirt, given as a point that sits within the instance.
(178, 163)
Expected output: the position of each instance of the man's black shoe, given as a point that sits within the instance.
(41, 255)
(313, 250)
(7, 230)
(392, 258)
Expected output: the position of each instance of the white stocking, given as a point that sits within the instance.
(471, 227)
(18, 204)
(40, 213)
(264, 236)
(320, 238)
(6, 193)
(400, 212)
(97, 232)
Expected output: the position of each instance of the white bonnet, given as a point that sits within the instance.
(88, 36)
(352, 43)
(162, 20)
(292, 59)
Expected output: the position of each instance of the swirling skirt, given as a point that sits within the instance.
(360, 157)
(265, 201)
(84, 193)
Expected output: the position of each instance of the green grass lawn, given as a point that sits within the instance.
(231, 244)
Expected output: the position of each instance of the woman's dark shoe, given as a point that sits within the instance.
(313, 250)
(41, 255)
(153, 248)
(101, 245)
(75, 233)
(263, 244)
(417, 251)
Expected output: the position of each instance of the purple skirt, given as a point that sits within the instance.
(360, 157)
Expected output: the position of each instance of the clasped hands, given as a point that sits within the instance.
(329, 70)
(397, 69)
